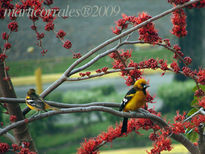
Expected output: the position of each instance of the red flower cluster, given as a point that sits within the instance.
(201, 76)
(202, 102)
(179, 23)
(147, 33)
(177, 2)
(4, 147)
(49, 26)
(196, 121)
(13, 26)
(7, 46)
(178, 51)
(175, 67)
(39, 36)
(162, 142)
(77, 55)
(187, 60)
(85, 74)
(2, 57)
(199, 93)
(188, 72)
(163, 65)
(67, 44)
(12, 118)
(43, 52)
(5, 36)
(200, 4)
(61, 34)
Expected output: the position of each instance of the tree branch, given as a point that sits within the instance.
(61, 105)
(180, 138)
(10, 137)
(67, 73)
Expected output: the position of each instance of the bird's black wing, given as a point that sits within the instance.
(36, 102)
(127, 98)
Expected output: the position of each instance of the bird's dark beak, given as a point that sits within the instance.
(146, 86)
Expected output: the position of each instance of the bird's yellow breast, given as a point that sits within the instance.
(136, 102)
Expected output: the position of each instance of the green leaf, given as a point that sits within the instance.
(192, 135)
(200, 86)
(192, 111)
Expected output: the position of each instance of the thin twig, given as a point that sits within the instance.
(67, 73)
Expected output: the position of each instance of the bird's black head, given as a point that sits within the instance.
(31, 92)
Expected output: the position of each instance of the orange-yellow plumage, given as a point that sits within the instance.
(134, 99)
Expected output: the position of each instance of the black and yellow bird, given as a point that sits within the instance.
(35, 102)
(133, 100)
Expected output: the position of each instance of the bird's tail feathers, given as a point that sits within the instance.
(51, 107)
(124, 126)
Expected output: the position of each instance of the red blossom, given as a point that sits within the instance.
(136, 73)
(26, 144)
(167, 42)
(177, 2)
(163, 65)
(149, 98)
(153, 137)
(5, 36)
(188, 60)
(197, 120)
(104, 69)
(151, 63)
(39, 35)
(187, 71)
(179, 117)
(67, 44)
(200, 4)
(202, 102)
(13, 26)
(43, 52)
(7, 46)
(178, 127)
(201, 76)
(177, 47)
(129, 81)
(199, 92)
(82, 74)
(15, 147)
(116, 30)
(4, 147)
(49, 26)
(61, 34)
(179, 23)
(2, 57)
(98, 71)
(175, 67)
(88, 73)
(77, 55)
(12, 118)
(33, 27)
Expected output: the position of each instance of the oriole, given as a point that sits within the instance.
(35, 102)
(133, 100)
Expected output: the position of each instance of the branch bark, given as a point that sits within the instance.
(67, 73)
(178, 137)
(21, 132)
